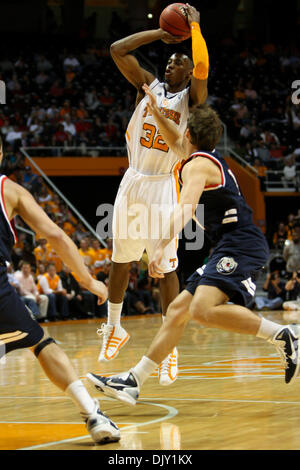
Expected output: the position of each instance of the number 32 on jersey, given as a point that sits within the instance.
(152, 138)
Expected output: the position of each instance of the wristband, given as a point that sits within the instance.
(200, 53)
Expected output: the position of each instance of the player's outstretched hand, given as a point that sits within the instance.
(99, 289)
(151, 105)
(169, 38)
(153, 268)
(192, 14)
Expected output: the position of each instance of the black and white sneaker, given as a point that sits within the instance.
(123, 387)
(287, 345)
(100, 427)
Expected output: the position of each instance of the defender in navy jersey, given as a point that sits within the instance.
(18, 329)
(240, 250)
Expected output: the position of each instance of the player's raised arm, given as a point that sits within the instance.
(19, 201)
(128, 64)
(167, 128)
(198, 90)
(196, 174)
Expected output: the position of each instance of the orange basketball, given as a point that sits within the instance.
(173, 19)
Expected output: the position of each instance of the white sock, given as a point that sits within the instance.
(81, 397)
(267, 329)
(114, 313)
(144, 369)
(163, 318)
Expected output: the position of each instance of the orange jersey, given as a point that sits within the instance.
(41, 254)
(87, 255)
(53, 283)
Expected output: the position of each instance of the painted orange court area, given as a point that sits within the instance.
(17, 435)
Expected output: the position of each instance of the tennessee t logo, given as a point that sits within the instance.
(173, 261)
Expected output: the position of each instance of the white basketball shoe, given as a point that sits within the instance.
(168, 369)
(114, 338)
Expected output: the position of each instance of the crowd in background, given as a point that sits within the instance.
(76, 97)
(282, 283)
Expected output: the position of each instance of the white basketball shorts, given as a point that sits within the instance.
(142, 205)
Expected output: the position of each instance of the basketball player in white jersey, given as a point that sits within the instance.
(150, 180)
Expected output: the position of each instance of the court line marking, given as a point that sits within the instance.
(51, 422)
(233, 400)
(171, 413)
(160, 399)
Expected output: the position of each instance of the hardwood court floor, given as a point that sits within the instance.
(230, 394)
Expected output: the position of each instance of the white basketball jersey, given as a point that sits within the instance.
(147, 151)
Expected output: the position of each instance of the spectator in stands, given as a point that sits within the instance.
(56, 90)
(53, 258)
(42, 79)
(81, 111)
(81, 303)
(291, 252)
(290, 224)
(71, 62)
(262, 151)
(61, 137)
(261, 173)
(277, 262)
(289, 172)
(91, 99)
(250, 93)
(80, 232)
(40, 270)
(31, 304)
(14, 137)
(293, 292)
(275, 288)
(69, 127)
(43, 64)
(269, 138)
(99, 256)
(86, 251)
(50, 284)
(135, 299)
(29, 290)
(280, 235)
(66, 109)
(106, 98)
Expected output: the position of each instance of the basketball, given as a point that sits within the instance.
(173, 19)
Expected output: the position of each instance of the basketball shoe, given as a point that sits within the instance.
(287, 345)
(123, 387)
(114, 338)
(100, 427)
(168, 369)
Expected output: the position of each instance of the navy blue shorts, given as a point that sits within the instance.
(17, 328)
(237, 257)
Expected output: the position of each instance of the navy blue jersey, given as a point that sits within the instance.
(7, 228)
(225, 208)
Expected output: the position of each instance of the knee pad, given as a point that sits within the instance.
(42, 345)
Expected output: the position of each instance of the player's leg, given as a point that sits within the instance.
(169, 290)
(114, 336)
(126, 249)
(126, 387)
(19, 330)
(239, 319)
(58, 368)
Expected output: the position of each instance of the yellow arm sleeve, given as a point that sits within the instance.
(200, 53)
